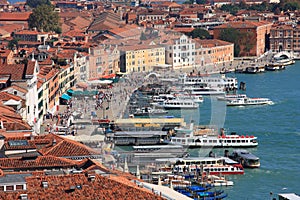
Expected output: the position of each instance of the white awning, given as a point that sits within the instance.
(12, 102)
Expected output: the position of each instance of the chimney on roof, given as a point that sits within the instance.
(23, 196)
(54, 142)
(91, 178)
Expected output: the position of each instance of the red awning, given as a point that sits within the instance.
(109, 76)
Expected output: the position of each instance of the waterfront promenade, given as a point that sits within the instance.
(114, 107)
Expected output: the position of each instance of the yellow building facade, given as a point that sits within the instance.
(141, 58)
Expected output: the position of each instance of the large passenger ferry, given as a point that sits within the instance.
(207, 165)
(192, 140)
(222, 82)
(178, 104)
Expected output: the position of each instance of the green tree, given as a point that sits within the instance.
(44, 18)
(199, 33)
(291, 6)
(231, 35)
(13, 44)
(36, 3)
(143, 36)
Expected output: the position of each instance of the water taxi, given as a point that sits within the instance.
(254, 69)
(218, 181)
(245, 158)
(274, 67)
(246, 101)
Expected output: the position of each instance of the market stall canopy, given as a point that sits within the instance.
(100, 82)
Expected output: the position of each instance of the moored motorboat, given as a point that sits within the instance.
(245, 158)
(146, 111)
(218, 181)
(254, 69)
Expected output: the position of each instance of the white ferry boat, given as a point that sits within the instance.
(231, 97)
(178, 104)
(185, 96)
(163, 97)
(249, 101)
(222, 82)
(203, 90)
(207, 165)
(191, 140)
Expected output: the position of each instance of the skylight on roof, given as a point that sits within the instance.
(18, 143)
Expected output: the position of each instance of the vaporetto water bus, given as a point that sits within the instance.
(222, 81)
(215, 141)
(178, 104)
(207, 165)
(249, 101)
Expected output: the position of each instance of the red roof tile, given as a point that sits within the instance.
(14, 16)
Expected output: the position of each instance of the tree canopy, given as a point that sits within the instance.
(13, 44)
(199, 33)
(36, 3)
(44, 18)
(231, 35)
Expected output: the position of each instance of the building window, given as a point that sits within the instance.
(19, 187)
(9, 188)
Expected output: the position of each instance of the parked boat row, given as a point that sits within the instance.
(277, 64)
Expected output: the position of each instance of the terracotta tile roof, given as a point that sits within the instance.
(29, 32)
(12, 121)
(243, 24)
(16, 71)
(18, 88)
(30, 67)
(14, 16)
(39, 162)
(68, 148)
(27, 145)
(47, 72)
(207, 43)
(106, 21)
(47, 61)
(79, 187)
(5, 96)
(74, 33)
(5, 52)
